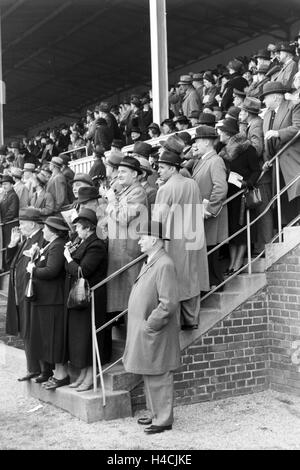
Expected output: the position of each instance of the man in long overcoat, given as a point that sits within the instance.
(123, 210)
(152, 344)
(281, 124)
(178, 206)
(18, 316)
(57, 185)
(9, 208)
(210, 174)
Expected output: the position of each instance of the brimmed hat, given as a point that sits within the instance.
(87, 214)
(251, 105)
(57, 223)
(185, 137)
(142, 148)
(286, 47)
(87, 193)
(7, 179)
(173, 144)
(83, 177)
(194, 115)
(155, 126)
(168, 121)
(209, 77)
(207, 119)
(16, 172)
(229, 126)
(57, 161)
(42, 179)
(240, 93)
(233, 113)
(145, 165)
(273, 87)
(170, 158)
(65, 158)
(29, 167)
(153, 228)
(30, 213)
(205, 132)
(132, 163)
(182, 120)
(117, 143)
(136, 129)
(262, 54)
(197, 77)
(114, 158)
(185, 80)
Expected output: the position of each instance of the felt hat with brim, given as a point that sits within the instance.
(262, 54)
(87, 193)
(7, 179)
(197, 77)
(16, 172)
(46, 173)
(209, 77)
(208, 119)
(83, 177)
(155, 126)
(153, 228)
(170, 158)
(251, 105)
(65, 158)
(29, 166)
(194, 115)
(205, 132)
(57, 161)
(273, 87)
(182, 120)
(240, 93)
(185, 80)
(57, 222)
(132, 163)
(114, 158)
(42, 179)
(185, 137)
(117, 143)
(86, 214)
(287, 48)
(30, 213)
(137, 130)
(142, 149)
(173, 144)
(233, 112)
(145, 165)
(229, 126)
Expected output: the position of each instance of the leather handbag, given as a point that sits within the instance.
(80, 293)
(253, 198)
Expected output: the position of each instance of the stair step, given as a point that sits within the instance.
(241, 281)
(218, 299)
(118, 379)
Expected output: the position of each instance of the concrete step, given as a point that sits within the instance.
(117, 378)
(241, 282)
(275, 251)
(88, 405)
(219, 300)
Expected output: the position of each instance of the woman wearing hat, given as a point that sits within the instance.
(240, 157)
(48, 327)
(41, 199)
(91, 256)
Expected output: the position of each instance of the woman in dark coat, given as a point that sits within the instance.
(240, 157)
(91, 256)
(48, 327)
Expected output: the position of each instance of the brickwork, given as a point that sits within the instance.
(284, 323)
(231, 359)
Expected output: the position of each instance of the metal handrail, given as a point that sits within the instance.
(75, 150)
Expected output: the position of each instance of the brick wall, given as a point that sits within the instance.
(284, 323)
(231, 359)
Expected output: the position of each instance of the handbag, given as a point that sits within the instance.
(253, 198)
(80, 293)
(30, 294)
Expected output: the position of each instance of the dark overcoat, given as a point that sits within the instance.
(9, 207)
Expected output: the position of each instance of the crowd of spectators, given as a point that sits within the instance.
(243, 113)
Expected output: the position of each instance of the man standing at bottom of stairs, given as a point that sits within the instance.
(152, 344)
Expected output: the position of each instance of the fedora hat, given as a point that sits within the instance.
(155, 126)
(197, 77)
(173, 144)
(87, 214)
(145, 165)
(153, 228)
(273, 87)
(205, 132)
(16, 172)
(229, 126)
(87, 193)
(233, 113)
(185, 137)
(286, 47)
(251, 105)
(185, 80)
(182, 120)
(114, 158)
(42, 179)
(208, 119)
(30, 213)
(57, 161)
(142, 149)
(136, 129)
(132, 163)
(209, 77)
(194, 115)
(170, 158)
(83, 177)
(117, 143)
(29, 167)
(263, 54)
(57, 222)
(7, 179)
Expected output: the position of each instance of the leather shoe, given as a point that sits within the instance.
(55, 383)
(84, 387)
(189, 327)
(43, 378)
(29, 376)
(156, 429)
(144, 421)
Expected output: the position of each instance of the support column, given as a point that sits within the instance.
(2, 89)
(159, 60)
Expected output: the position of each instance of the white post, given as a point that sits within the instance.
(159, 60)
(94, 339)
(2, 90)
(278, 201)
(249, 242)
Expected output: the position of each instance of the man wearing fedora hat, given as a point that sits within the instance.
(57, 185)
(150, 190)
(190, 100)
(28, 176)
(19, 187)
(182, 123)
(152, 342)
(124, 210)
(289, 66)
(210, 174)
(281, 123)
(9, 209)
(41, 199)
(178, 206)
(18, 316)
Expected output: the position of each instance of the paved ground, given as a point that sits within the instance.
(267, 420)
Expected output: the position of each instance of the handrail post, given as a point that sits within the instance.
(249, 241)
(278, 200)
(94, 341)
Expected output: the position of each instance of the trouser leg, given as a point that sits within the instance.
(214, 266)
(264, 226)
(159, 392)
(190, 309)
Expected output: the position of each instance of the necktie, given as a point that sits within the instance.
(273, 114)
(271, 141)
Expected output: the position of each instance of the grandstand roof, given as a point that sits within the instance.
(60, 56)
